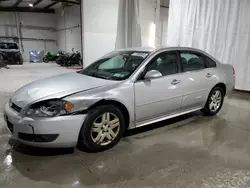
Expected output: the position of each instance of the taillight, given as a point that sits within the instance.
(233, 71)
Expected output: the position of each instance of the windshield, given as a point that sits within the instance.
(117, 65)
(8, 46)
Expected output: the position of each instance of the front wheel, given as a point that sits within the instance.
(45, 60)
(102, 129)
(214, 102)
(21, 61)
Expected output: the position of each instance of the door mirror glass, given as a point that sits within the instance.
(152, 74)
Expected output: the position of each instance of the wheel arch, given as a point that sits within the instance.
(222, 86)
(117, 104)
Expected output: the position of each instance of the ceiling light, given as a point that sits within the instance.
(31, 5)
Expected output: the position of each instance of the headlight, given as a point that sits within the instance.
(49, 108)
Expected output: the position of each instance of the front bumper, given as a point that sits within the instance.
(11, 56)
(61, 131)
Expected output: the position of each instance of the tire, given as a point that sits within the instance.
(88, 136)
(1, 58)
(45, 60)
(212, 109)
(58, 61)
(21, 61)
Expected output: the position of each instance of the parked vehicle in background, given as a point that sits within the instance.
(10, 53)
(61, 54)
(73, 59)
(50, 56)
(69, 59)
(63, 61)
(123, 90)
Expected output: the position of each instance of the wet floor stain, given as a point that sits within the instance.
(189, 151)
(185, 152)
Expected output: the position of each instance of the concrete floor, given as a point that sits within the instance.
(185, 152)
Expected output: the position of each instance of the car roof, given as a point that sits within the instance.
(158, 48)
(138, 49)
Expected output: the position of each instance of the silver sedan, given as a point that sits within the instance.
(123, 90)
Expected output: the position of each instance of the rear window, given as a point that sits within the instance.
(210, 63)
(192, 61)
(8, 46)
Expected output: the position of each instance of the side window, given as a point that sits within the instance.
(191, 61)
(210, 63)
(165, 63)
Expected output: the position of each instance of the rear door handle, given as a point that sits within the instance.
(209, 75)
(174, 82)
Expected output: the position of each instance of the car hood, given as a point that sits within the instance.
(56, 87)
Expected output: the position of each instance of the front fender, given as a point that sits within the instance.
(122, 93)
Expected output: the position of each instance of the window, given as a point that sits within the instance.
(117, 65)
(210, 63)
(8, 46)
(113, 63)
(191, 61)
(165, 63)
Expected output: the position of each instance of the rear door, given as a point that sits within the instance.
(194, 80)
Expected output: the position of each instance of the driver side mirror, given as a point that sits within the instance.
(152, 74)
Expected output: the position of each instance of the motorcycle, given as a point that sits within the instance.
(50, 56)
(61, 56)
(69, 59)
(74, 59)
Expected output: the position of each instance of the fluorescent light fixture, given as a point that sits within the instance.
(30, 4)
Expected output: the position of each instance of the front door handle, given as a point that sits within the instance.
(174, 82)
(209, 75)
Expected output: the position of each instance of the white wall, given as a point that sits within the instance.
(100, 26)
(7, 18)
(163, 26)
(34, 26)
(148, 21)
(68, 28)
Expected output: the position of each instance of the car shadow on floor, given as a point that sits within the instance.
(35, 151)
(160, 124)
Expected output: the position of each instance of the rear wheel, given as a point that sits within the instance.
(102, 129)
(214, 101)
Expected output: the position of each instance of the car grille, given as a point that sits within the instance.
(15, 107)
(10, 54)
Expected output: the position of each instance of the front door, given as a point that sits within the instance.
(160, 96)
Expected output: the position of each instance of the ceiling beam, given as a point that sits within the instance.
(26, 9)
(50, 5)
(17, 3)
(68, 1)
(37, 2)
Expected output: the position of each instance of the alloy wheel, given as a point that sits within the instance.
(105, 128)
(215, 100)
